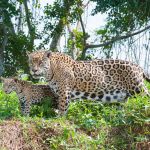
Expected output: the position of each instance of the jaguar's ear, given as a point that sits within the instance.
(15, 79)
(2, 79)
(47, 54)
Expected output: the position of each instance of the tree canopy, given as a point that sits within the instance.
(23, 22)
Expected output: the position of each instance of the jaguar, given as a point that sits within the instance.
(27, 92)
(105, 80)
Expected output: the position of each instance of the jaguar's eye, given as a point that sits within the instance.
(40, 62)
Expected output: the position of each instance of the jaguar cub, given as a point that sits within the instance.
(27, 92)
(106, 80)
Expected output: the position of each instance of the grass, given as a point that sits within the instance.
(87, 125)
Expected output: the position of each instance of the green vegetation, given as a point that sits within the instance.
(70, 19)
(87, 125)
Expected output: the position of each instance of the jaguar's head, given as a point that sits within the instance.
(9, 85)
(39, 63)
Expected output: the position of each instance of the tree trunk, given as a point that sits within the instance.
(30, 26)
(1, 61)
(56, 36)
(20, 19)
(2, 48)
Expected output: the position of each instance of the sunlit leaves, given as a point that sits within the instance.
(124, 15)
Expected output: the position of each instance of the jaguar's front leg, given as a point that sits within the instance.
(25, 107)
(63, 101)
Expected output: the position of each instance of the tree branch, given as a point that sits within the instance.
(73, 47)
(84, 37)
(83, 29)
(56, 36)
(85, 5)
(11, 26)
(117, 39)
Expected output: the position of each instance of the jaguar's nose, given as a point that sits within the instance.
(34, 70)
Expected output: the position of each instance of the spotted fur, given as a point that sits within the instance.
(103, 80)
(27, 92)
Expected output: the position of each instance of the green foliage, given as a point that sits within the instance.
(104, 36)
(9, 106)
(78, 42)
(64, 11)
(87, 125)
(90, 116)
(44, 109)
(125, 15)
(8, 8)
(15, 54)
(17, 42)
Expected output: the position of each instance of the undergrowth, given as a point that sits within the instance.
(87, 124)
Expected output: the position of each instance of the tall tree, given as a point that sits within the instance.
(13, 43)
(3, 42)
(31, 27)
